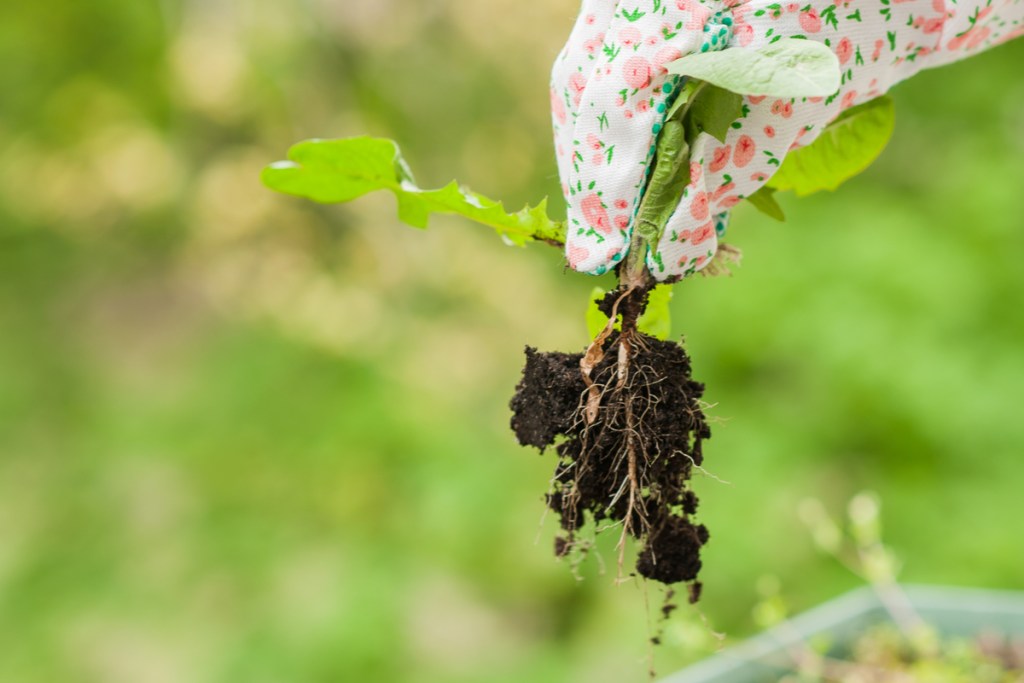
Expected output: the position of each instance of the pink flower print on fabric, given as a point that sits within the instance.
(720, 158)
(810, 21)
(595, 214)
(746, 148)
(577, 84)
(577, 255)
(699, 206)
(703, 234)
(594, 45)
(698, 14)
(636, 72)
(557, 108)
(844, 51)
(664, 57)
(629, 36)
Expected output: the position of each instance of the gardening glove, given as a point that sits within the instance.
(610, 94)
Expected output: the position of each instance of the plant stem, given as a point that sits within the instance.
(634, 273)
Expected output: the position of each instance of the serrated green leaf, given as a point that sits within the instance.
(331, 171)
(844, 149)
(787, 68)
(657, 318)
(764, 201)
(596, 320)
(714, 109)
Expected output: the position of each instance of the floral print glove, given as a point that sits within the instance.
(610, 93)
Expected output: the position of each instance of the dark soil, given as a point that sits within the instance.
(547, 398)
(629, 467)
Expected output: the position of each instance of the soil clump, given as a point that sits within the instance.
(628, 430)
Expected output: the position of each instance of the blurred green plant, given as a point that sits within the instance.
(907, 648)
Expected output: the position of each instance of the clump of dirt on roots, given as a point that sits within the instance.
(627, 419)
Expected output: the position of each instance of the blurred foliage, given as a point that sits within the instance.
(243, 438)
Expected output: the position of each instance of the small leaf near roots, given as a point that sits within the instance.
(844, 149)
(656, 320)
(332, 171)
(790, 67)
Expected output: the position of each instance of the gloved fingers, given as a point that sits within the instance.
(723, 174)
(621, 112)
(758, 143)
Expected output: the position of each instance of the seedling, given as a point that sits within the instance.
(625, 412)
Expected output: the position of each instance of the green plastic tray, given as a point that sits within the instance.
(953, 611)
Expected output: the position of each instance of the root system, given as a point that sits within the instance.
(625, 419)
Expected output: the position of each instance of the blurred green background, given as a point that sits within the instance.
(245, 438)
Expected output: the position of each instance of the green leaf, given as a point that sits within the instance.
(715, 109)
(657, 319)
(596, 320)
(670, 175)
(790, 67)
(844, 149)
(686, 92)
(764, 201)
(331, 171)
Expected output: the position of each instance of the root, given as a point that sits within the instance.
(636, 521)
(703, 471)
(633, 439)
(634, 515)
(624, 350)
(594, 355)
(634, 485)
